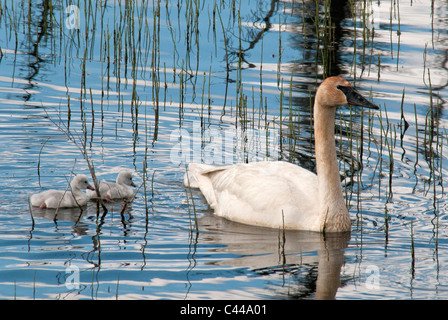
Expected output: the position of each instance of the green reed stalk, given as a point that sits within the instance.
(189, 196)
(412, 252)
(118, 283)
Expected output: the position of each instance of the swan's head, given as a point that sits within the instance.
(125, 177)
(336, 91)
(81, 182)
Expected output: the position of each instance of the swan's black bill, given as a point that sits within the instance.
(354, 98)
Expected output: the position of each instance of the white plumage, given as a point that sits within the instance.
(120, 189)
(258, 193)
(74, 197)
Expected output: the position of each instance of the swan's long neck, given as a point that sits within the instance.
(333, 213)
(76, 192)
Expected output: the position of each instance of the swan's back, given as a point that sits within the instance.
(52, 199)
(112, 190)
(121, 189)
(272, 194)
(63, 199)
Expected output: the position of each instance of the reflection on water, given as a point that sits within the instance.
(152, 85)
(308, 259)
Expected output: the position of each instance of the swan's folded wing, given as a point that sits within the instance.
(198, 176)
(104, 187)
(262, 193)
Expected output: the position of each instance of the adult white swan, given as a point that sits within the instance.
(282, 195)
(74, 197)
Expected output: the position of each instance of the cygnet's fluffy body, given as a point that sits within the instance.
(121, 189)
(75, 197)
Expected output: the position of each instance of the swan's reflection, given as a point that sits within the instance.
(267, 250)
(74, 215)
(92, 212)
(63, 214)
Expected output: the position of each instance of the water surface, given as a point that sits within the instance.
(153, 86)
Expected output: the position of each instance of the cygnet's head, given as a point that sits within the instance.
(81, 182)
(125, 177)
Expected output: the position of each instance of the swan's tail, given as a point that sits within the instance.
(193, 172)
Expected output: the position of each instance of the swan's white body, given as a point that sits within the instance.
(259, 193)
(75, 197)
(279, 194)
(121, 189)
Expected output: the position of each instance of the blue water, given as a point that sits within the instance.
(217, 106)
